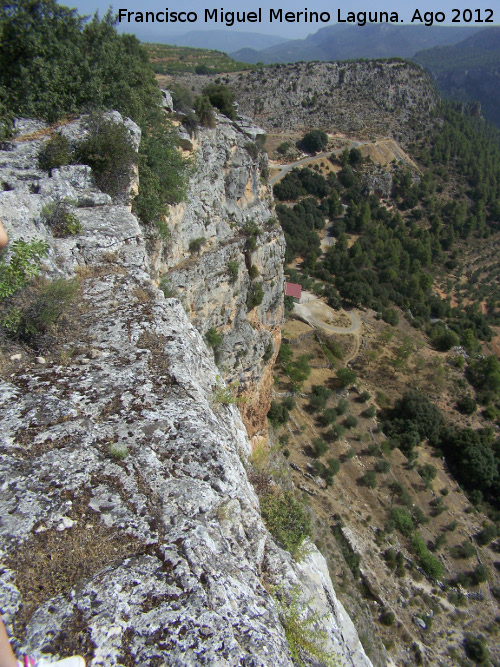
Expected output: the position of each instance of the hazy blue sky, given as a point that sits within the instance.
(292, 30)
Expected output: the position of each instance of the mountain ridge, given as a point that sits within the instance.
(339, 42)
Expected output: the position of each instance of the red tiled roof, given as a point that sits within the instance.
(292, 289)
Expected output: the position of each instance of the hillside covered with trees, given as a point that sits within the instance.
(397, 251)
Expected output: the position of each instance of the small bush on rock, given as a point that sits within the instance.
(213, 337)
(61, 221)
(56, 152)
(286, 518)
(255, 295)
(109, 151)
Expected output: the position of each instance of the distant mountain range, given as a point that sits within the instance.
(220, 40)
(469, 70)
(342, 42)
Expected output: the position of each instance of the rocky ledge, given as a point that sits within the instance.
(129, 531)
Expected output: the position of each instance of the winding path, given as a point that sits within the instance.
(305, 312)
(288, 167)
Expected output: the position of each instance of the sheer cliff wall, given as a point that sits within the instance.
(229, 206)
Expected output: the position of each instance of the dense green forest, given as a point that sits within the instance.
(395, 249)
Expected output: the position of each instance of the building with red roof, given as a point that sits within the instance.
(293, 290)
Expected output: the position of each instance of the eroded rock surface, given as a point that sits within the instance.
(129, 531)
(228, 202)
(373, 97)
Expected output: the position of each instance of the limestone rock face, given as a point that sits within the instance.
(375, 97)
(228, 202)
(129, 530)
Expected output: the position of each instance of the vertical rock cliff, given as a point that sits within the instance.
(228, 206)
(129, 531)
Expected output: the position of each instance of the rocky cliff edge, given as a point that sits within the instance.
(129, 531)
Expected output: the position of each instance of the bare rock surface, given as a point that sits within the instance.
(129, 531)
(228, 201)
(373, 97)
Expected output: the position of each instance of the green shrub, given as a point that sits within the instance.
(314, 141)
(278, 413)
(341, 407)
(350, 422)
(332, 350)
(252, 149)
(285, 354)
(225, 395)
(319, 446)
(466, 405)
(402, 520)
(167, 289)
(163, 173)
(476, 648)
(251, 228)
(182, 98)
(387, 618)
(109, 151)
(232, 269)
(438, 505)
(490, 412)
(289, 304)
(251, 243)
(195, 245)
(370, 412)
(288, 402)
(50, 303)
(54, 63)
(255, 295)
(253, 272)
(336, 432)
(222, 98)
(390, 316)
(302, 633)
(485, 536)
(429, 563)
(268, 352)
(148, 205)
(382, 466)
(328, 417)
(204, 111)
(283, 148)
(286, 519)
(464, 550)
(446, 341)
(118, 451)
(213, 338)
(369, 480)
(364, 396)
(22, 267)
(427, 472)
(56, 152)
(61, 221)
(346, 376)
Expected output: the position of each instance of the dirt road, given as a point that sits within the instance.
(288, 167)
(316, 313)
